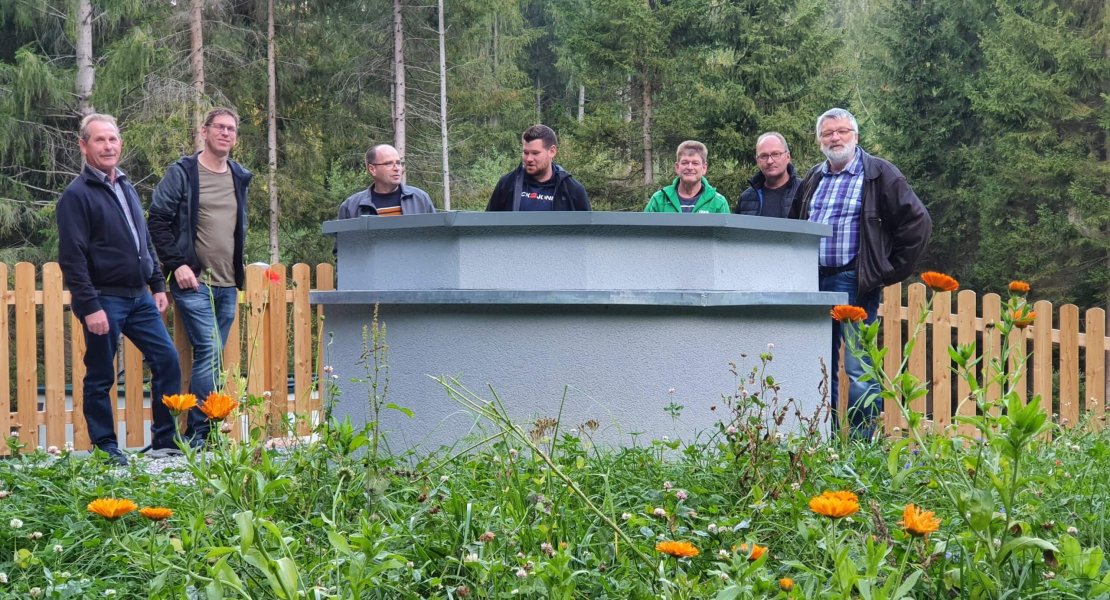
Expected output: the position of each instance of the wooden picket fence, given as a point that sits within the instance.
(1066, 365)
(280, 330)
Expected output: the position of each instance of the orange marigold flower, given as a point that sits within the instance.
(786, 584)
(156, 513)
(111, 508)
(919, 522)
(753, 552)
(847, 312)
(179, 403)
(1019, 287)
(677, 549)
(218, 406)
(1023, 318)
(939, 282)
(835, 504)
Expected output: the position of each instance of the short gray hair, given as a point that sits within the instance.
(692, 147)
(835, 113)
(84, 130)
(776, 135)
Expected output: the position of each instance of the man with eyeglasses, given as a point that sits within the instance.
(198, 221)
(771, 191)
(879, 231)
(538, 184)
(386, 196)
(690, 192)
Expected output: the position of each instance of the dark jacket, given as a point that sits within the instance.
(95, 249)
(173, 216)
(894, 224)
(414, 201)
(569, 194)
(751, 200)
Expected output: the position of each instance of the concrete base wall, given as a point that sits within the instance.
(619, 365)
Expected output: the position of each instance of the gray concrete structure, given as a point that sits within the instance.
(608, 317)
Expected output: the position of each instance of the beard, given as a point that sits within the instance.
(841, 156)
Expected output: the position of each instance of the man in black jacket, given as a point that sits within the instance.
(198, 221)
(879, 231)
(115, 285)
(538, 183)
(773, 188)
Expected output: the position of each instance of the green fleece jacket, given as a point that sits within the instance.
(666, 200)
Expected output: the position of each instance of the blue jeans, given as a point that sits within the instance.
(140, 321)
(864, 403)
(207, 313)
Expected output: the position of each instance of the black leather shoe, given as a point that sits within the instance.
(115, 456)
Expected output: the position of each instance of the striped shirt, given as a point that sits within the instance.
(838, 201)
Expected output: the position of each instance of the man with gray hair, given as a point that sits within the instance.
(386, 196)
(690, 192)
(115, 285)
(772, 189)
(879, 231)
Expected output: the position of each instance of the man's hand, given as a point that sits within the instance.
(160, 301)
(186, 279)
(97, 322)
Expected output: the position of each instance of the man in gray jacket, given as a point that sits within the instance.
(386, 196)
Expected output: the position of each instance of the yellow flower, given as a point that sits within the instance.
(1019, 287)
(940, 282)
(218, 406)
(835, 504)
(677, 549)
(847, 312)
(156, 513)
(753, 552)
(111, 508)
(919, 522)
(179, 403)
(786, 584)
(1023, 317)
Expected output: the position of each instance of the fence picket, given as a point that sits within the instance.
(277, 346)
(892, 340)
(965, 335)
(5, 360)
(1042, 354)
(991, 349)
(325, 281)
(1069, 365)
(941, 363)
(53, 344)
(1095, 365)
(302, 347)
(255, 307)
(26, 354)
(77, 360)
(917, 365)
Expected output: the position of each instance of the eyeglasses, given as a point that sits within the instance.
(841, 132)
(766, 156)
(222, 128)
(400, 164)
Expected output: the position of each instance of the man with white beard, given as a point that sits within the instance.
(879, 231)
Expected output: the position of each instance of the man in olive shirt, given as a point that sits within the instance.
(198, 222)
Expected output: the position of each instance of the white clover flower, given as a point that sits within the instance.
(795, 486)
(3, 577)
(626, 516)
(667, 485)
(109, 592)
(328, 369)
(35, 592)
(722, 553)
(470, 558)
(410, 564)
(681, 495)
(834, 457)
(723, 576)
(547, 549)
(53, 451)
(731, 430)
(513, 453)
(35, 535)
(267, 395)
(1072, 530)
(58, 549)
(4, 494)
(711, 528)
(15, 524)
(443, 478)
(659, 512)
(1049, 575)
(521, 573)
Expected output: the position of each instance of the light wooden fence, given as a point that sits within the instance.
(279, 334)
(1066, 366)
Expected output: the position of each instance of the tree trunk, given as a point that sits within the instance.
(86, 74)
(626, 95)
(649, 164)
(539, 102)
(581, 102)
(443, 110)
(196, 63)
(399, 114)
(271, 119)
